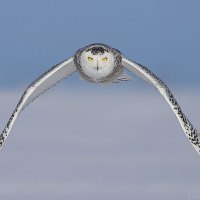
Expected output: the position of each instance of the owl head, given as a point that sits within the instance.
(98, 63)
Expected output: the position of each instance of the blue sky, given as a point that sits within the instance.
(163, 35)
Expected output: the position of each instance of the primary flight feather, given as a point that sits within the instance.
(100, 63)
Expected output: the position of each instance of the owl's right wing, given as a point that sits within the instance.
(38, 87)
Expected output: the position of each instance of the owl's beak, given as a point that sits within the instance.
(97, 66)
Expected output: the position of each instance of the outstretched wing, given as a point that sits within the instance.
(38, 87)
(151, 78)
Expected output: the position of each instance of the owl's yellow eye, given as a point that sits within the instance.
(90, 58)
(105, 59)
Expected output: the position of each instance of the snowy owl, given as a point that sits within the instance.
(100, 63)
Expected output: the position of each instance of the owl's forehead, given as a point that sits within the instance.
(97, 50)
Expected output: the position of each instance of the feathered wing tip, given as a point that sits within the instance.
(11, 121)
(2, 137)
(7, 129)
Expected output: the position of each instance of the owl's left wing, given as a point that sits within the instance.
(38, 87)
(192, 134)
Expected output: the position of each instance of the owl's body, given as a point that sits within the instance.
(100, 63)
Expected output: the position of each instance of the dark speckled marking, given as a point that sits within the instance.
(97, 50)
(191, 133)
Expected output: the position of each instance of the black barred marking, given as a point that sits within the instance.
(11, 118)
(97, 50)
(2, 139)
(192, 133)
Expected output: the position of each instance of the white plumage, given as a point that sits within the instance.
(100, 63)
(97, 66)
